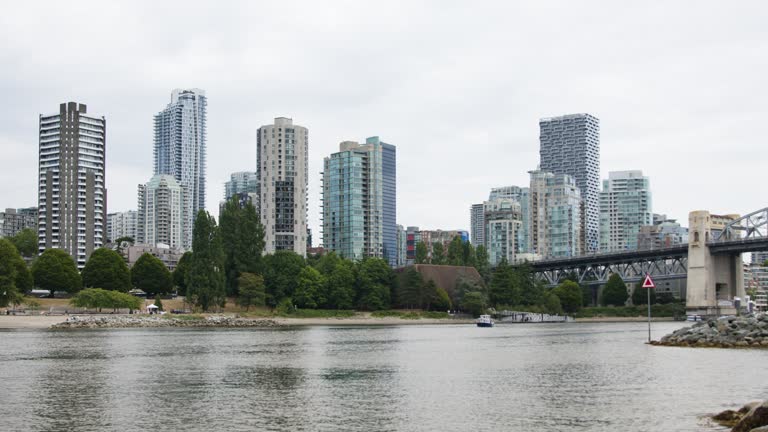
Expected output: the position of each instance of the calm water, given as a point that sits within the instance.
(535, 377)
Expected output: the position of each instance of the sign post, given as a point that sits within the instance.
(649, 285)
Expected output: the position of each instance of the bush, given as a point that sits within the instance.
(99, 298)
(285, 307)
(614, 292)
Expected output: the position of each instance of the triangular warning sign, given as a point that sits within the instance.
(648, 282)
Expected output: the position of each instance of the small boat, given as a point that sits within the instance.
(484, 321)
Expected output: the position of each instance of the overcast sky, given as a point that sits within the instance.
(458, 87)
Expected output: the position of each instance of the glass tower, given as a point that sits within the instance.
(570, 144)
(625, 206)
(180, 149)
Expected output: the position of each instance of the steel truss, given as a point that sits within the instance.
(660, 268)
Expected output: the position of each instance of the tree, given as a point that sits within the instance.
(640, 296)
(421, 253)
(181, 271)
(340, 287)
(158, 303)
(99, 298)
(570, 296)
(442, 301)
(469, 255)
(503, 290)
(552, 303)
(665, 297)
(456, 252)
(121, 241)
(150, 275)
(473, 303)
(482, 263)
(411, 286)
(9, 272)
(438, 253)
(205, 279)
(242, 237)
(251, 290)
(281, 275)
(615, 292)
(309, 292)
(26, 242)
(106, 269)
(375, 280)
(55, 270)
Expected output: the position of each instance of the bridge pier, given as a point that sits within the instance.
(713, 279)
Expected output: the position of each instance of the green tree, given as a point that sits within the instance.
(281, 275)
(552, 303)
(469, 253)
(665, 298)
(482, 263)
(640, 296)
(569, 293)
(158, 303)
(615, 292)
(205, 279)
(55, 270)
(340, 287)
(465, 285)
(411, 286)
(251, 290)
(438, 253)
(456, 252)
(421, 253)
(121, 242)
(310, 289)
(442, 301)
(375, 280)
(242, 237)
(504, 290)
(26, 242)
(99, 298)
(530, 292)
(106, 269)
(9, 272)
(150, 275)
(181, 271)
(473, 303)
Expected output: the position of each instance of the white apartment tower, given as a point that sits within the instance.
(72, 200)
(625, 206)
(122, 224)
(180, 149)
(281, 158)
(161, 210)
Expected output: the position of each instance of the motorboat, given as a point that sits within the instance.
(484, 321)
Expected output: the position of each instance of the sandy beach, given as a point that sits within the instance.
(30, 321)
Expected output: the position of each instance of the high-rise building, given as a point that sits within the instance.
(359, 201)
(503, 222)
(477, 225)
(241, 182)
(180, 151)
(662, 234)
(14, 220)
(555, 215)
(507, 192)
(570, 144)
(401, 246)
(281, 158)
(625, 206)
(412, 238)
(122, 224)
(72, 200)
(161, 213)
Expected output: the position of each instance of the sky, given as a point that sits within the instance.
(458, 87)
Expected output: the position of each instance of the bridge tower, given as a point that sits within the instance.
(713, 279)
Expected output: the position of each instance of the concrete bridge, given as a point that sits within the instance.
(711, 262)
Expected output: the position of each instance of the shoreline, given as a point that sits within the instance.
(37, 322)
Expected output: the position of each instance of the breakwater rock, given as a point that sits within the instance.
(118, 321)
(752, 417)
(749, 331)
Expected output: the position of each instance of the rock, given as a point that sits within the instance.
(760, 429)
(728, 417)
(754, 418)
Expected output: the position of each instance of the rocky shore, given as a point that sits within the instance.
(749, 331)
(138, 321)
(752, 417)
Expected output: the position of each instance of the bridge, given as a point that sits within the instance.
(711, 262)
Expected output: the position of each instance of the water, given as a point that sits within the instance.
(525, 377)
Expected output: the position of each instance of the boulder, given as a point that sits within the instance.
(754, 418)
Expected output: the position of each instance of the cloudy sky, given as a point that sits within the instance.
(458, 87)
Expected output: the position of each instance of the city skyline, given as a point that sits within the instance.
(473, 125)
